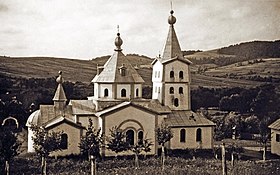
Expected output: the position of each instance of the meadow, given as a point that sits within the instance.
(30, 164)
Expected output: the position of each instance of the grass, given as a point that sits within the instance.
(30, 164)
(84, 70)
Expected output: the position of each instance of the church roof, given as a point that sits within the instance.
(172, 47)
(33, 118)
(82, 107)
(112, 73)
(61, 119)
(187, 119)
(153, 106)
(275, 125)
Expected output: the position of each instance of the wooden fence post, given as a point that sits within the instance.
(224, 163)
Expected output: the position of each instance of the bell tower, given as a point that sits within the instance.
(171, 73)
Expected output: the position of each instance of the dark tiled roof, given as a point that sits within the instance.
(152, 105)
(172, 47)
(275, 125)
(111, 72)
(47, 113)
(59, 94)
(82, 107)
(187, 118)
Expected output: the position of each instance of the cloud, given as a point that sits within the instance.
(87, 28)
(3, 8)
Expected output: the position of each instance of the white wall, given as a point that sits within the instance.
(206, 136)
(275, 146)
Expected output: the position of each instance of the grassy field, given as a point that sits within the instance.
(84, 70)
(174, 165)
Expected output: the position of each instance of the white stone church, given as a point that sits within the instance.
(118, 101)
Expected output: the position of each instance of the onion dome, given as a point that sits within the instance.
(59, 78)
(118, 42)
(171, 19)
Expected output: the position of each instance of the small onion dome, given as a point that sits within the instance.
(118, 42)
(59, 78)
(171, 19)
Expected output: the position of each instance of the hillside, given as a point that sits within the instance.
(85, 70)
(240, 65)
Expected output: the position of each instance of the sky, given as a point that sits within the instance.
(85, 29)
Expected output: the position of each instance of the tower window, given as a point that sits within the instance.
(182, 135)
(64, 141)
(155, 74)
(172, 74)
(140, 137)
(181, 74)
(176, 102)
(137, 92)
(123, 93)
(122, 70)
(277, 137)
(106, 92)
(171, 90)
(155, 89)
(180, 90)
(158, 74)
(130, 136)
(158, 89)
(198, 135)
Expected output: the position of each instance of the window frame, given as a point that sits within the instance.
(183, 135)
(181, 75)
(123, 92)
(198, 135)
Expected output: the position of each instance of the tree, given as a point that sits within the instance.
(264, 135)
(9, 147)
(141, 145)
(45, 143)
(91, 144)
(163, 134)
(117, 140)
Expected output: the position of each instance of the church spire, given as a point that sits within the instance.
(172, 47)
(59, 94)
(59, 98)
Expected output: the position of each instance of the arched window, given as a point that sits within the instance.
(181, 74)
(176, 102)
(172, 74)
(158, 89)
(64, 141)
(130, 136)
(155, 74)
(137, 92)
(123, 93)
(171, 90)
(140, 137)
(183, 135)
(106, 92)
(158, 74)
(180, 90)
(198, 135)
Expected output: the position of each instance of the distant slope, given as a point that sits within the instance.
(253, 49)
(258, 70)
(85, 70)
(44, 67)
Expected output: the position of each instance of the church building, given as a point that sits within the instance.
(118, 102)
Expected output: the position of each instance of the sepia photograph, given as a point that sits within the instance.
(124, 87)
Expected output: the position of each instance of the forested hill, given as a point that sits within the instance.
(254, 49)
